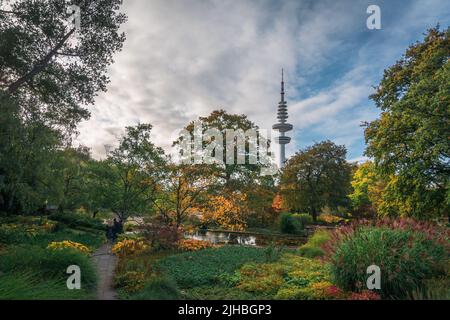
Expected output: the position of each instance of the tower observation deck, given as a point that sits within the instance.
(282, 126)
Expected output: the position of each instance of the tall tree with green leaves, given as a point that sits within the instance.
(410, 141)
(48, 64)
(232, 175)
(316, 177)
(27, 153)
(69, 185)
(128, 181)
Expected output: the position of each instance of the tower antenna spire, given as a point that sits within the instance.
(282, 126)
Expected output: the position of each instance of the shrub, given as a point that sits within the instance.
(199, 268)
(407, 256)
(310, 252)
(262, 278)
(130, 281)
(69, 244)
(40, 231)
(315, 291)
(272, 252)
(193, 245)
(75, 220)
(161, 236)
(294, 223)
(433, 289)
(329, 218)
(303, 219)
(129, 247)
(287, 223)
(313, 248)
(293, 277)
(158, 288)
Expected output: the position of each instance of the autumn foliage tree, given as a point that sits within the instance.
(227, 211)
(181, 191)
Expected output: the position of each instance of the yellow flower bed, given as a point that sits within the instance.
(68, 244)
(129, 247)
(193, 245)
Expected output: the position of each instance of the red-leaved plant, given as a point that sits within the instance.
(431, 231)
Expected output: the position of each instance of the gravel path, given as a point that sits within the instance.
(105, 262)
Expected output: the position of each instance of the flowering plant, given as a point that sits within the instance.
(68, 244)
(129, 247)
(193, 245)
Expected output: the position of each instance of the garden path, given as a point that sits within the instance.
(105, 261)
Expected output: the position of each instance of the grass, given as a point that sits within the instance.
(27, 285)
(194, 269)
(28, 270)
(32, 272)
(158, 288)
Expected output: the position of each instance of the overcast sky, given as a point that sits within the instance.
(185, 58)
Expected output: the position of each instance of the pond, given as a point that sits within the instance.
(246, 238)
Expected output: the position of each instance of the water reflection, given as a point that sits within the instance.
(220, 237)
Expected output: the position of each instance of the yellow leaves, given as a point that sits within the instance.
(228, 212)
(329, 218)
(129, 247)
(68, 244)
(193, 245)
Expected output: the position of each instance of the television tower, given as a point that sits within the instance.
(282, 126)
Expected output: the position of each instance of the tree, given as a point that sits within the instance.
(128, 180)
(260, 198)
(316, 177)
(181, 192)
(27, 153)
(48, 65)
(232, 176)
(409, 142)
(69, 178)
(227, 211)
(369, 191)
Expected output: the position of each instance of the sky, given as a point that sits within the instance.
(185, 58)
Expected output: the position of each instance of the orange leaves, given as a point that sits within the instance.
(193, 245)
(229, 212)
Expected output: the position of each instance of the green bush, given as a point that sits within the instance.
(406, 259)
(204, 267)
(312, 248)
(310, 252)
(158, 288)
(303, 219)
(76, 220)
(90, 239)
(294, 223)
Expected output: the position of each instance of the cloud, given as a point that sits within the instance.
(183, 59)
